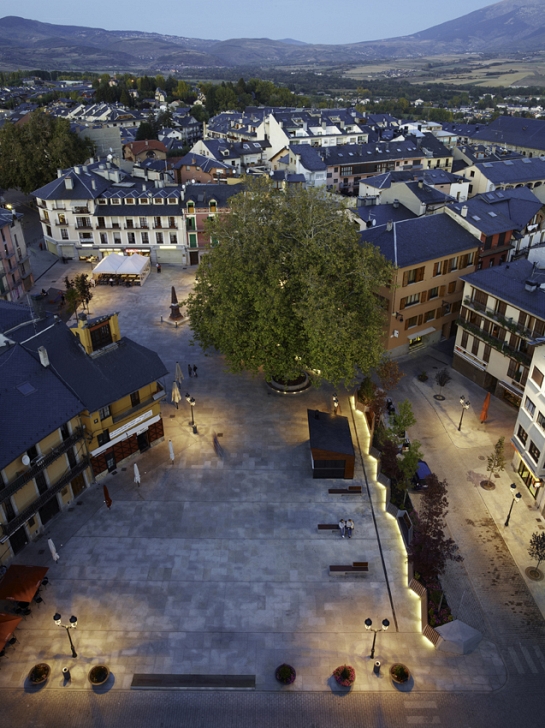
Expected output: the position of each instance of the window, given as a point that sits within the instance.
(135, 398)
(62, 219)
(451, 287)
(104, 412)
(410, 300)
(486, 353)
(130, 224)
(173, 239)
(131, 238)
(534, 451)
(143, 222)
(130, 200)
(103, 438)
(413, 276)
(104, 238)
(529, 406)
(159, 238)
(501, 308)
(433, 292)
(475, 347)
(64, 234)
(463, 341)
(537, 376)
(171, 200)
(541, 420)
(522, 434)
(453, 264)
(115, 201)
(192, 240)
(157, 222)
(101, 336)
(145, 239)
(430, 315)
(144, 201)
(437, 269)
(413, 321)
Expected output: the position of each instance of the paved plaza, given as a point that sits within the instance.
(216, 565)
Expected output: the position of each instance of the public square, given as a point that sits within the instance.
(216, 566)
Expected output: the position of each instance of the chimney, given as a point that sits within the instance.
(420, 184)
(389, 226)
(59, 173)
(396, 204)
(44, 359)
(463, 211)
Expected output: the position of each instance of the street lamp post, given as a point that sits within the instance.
(191, 401)
(516, 497)
(383, 628)
(465, 406)
(73, 623)
(335, 404)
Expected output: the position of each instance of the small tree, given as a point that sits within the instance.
(402, 419)
(442, 378)
(408, 465)
(537, 547)
(82, 285)
(496, 460)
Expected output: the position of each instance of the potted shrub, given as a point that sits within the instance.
(345, 675)
(98, 674)
(39, 673)
(285, 674)
(422, 377)
(399, 673)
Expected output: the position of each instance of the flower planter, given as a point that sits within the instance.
(399, 673)
(98, 674)
(285, 674)
(345, 675)
(39, 673)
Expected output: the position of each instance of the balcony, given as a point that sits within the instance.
(501, 346)
(84, 226)
(509, 323)
(15, 524)
(81, 210)
(157, 397)
(41, 463)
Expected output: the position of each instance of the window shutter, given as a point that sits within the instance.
(405, 278)
(420, 319)
(513, 341)
(442, 290)
(423, 297)
(420, 274)
(463, 261)
(445, 267)
(439, 313)
(402, 304)
(512, 370)
(406, 324)
(486, 353)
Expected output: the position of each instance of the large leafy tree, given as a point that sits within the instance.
(289, 288)
(31, 153)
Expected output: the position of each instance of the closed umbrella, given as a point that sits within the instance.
(176, 396)
(136, 474)
(484, 411)
(107, 498)
(53, 550)
(171, 451)
(178, 375)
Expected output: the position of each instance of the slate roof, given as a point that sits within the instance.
(429, 176)
(309, 157)
(82, 186)
(101, 380)
(411, 242)
(514, 130)
(428, 195)
(206, 164)
(383, 213)
(500, 211)
(329, 432)
(507, 282)
(201, 194)
(513, 171)
(29, 417)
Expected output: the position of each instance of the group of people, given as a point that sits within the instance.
(192, 370)
(346, 527)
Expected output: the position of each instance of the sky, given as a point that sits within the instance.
(311, 21)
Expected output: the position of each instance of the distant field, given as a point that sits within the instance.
(458, 71)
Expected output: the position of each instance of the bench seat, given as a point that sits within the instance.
(351, 490)
(328, 527)
(357, 567)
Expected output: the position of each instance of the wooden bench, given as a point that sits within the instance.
(357, 567)
(351, 490)
(143, 681)
(328, 527)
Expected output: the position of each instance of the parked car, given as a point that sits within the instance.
(422, 473)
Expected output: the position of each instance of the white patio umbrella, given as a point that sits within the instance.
(171, 451)
(136, 474)
(53, 550)
(176, 396)
(179, 377)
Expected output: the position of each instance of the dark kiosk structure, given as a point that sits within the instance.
(331, 448)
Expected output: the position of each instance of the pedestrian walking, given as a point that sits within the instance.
(217, 447)
(350, 527)
(342, 526)
(195, 370)
(189, 370)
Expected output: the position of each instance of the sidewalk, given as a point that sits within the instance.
(495, 555)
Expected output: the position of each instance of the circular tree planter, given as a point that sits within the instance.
(290, 386)
(98, 674)
(533, 573)
(39, 673)
(399, 673)
(488, 485)
(422, 377)
(439, 397)
(285, 674)
(345, 675)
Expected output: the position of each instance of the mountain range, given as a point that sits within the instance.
(505, 27)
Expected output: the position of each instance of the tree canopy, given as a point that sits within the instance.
(289, 288)
(31, 153)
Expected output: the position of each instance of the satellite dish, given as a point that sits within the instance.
(26, 460)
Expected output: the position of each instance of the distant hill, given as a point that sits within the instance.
(507, 26)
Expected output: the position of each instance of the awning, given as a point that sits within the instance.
(417, 334)
(21, 583)
(8, 623)
(510, 388)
